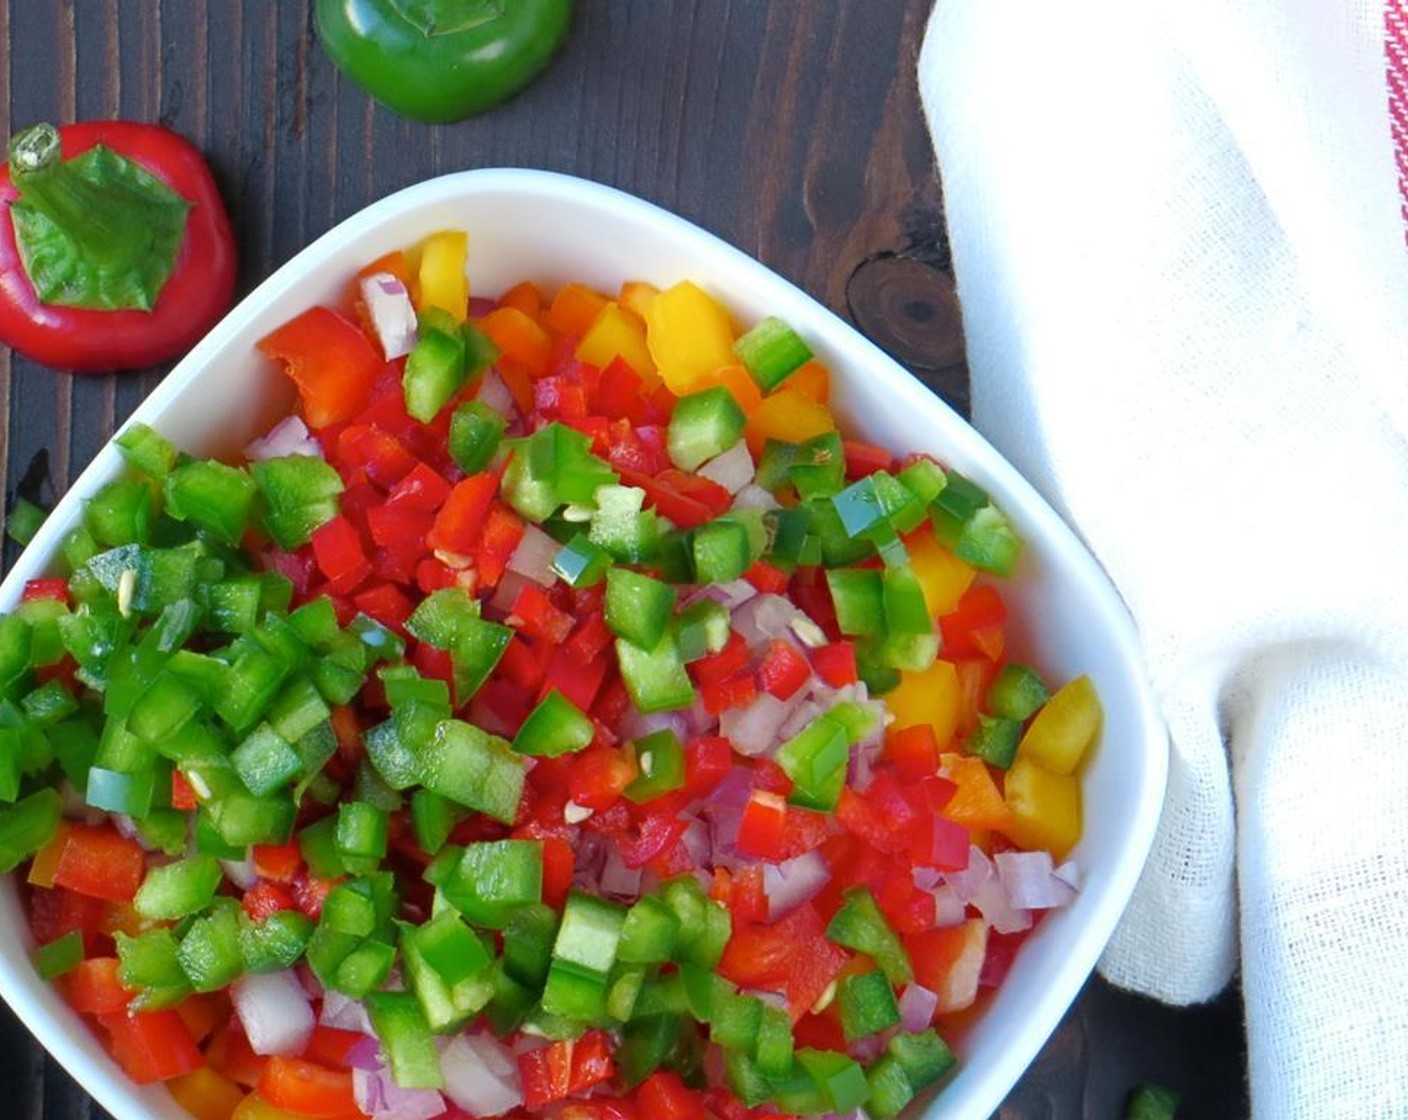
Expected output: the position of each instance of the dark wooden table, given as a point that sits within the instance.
(789, 127)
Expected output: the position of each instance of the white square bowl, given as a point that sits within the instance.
(554, 228)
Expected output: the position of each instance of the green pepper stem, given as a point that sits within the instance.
(108, 226)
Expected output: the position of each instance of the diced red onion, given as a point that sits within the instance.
(865, 1050)
(793, 882)
(365, 1053)
(344, 1013)
(389, 308)
(481, 1076)
(494, 393)
(965, 883)
(948, 911)
(861, 771)
(733, 470)
(696, 841)
(506, 594)
(754, 729)
(240, 872)
(733, 792)
(378, 1095)
(800, 716)
(917, 1007)
(273, 1008)
(754, 497)
(730, 594)
(618, 879)
(992, 902)
(763, 618)
(479, 306)
(533, 557)
(637, 725)
(1029, 882)
(288, 437)
(1069, 873)
(723, 832)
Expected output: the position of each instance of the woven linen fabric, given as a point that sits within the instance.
(1179, 239)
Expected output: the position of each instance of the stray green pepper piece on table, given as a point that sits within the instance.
(442, 60)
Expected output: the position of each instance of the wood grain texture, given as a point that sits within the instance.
(791, 128)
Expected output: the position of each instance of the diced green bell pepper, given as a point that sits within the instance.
(475, 433)
(555, 727)
(655, 677)
(1016, 692)
(660, 761)
(486, 881)
(474, 769)
(867, 1004)
(406, 1040)
(772, 352)
(277, 942)
(703, 425)
(210, 950)
(61, 955)
(177, 890)
(638, 608)
(860, 925)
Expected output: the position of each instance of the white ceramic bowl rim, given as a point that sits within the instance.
(554, 227)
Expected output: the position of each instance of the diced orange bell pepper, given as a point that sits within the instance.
(977, 802)
(307, 1089)
(738, 381)
(202, 1013)
(942, 576)
(1045, 808)
(395, 263)
(46, 861)
(330, 359)
(574, 309)
(636, 295)
(789, 416)
(931, 696)
(519, 338)
(524, 297)
(690, 336)
(205, 1094)
(949, 962)
(812, 380)
(614, 334)
(441, 281)
(1067, 724)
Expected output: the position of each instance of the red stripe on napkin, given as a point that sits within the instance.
(1396, 72)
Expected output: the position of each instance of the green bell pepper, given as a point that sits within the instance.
(442, 60)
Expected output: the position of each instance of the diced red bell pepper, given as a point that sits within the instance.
(309, 894)
(913, 750)
(1001, 952)
(51, 589)
(533, 613)
(461, 519)
(762, 830)
(330, 359)
(590, 639)
(707, 762)
(736, 692)
(281, 863)
(100, 862)
(55, 912)
(618, 392)
(767, 578)
(265, 898)
(784, 670)
(331, 1046)
(183, 794)
(805, 831)
(835, 663)
(376, 453)
(337, 547)
(386, 603)
(577, 680)
(423, 488)
(728, 662)
(152, 1046)
(432, 575)
(685, 510)
(562, 1069)
(864, 459)
(655, 833)
(558, 862)
(975, 625)
(503, 533)
(599, 776)
(92, 987)
(663, 1096)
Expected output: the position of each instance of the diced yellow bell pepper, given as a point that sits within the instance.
(789, 416)
(1045, 808)
(942, 576)
(690, 336)
(1064, 728)
(812, 380)
(46, 862)
(255, 1107)
(613, 334)
(442, 281)
(931, 696)
(206, 1095)
(636, 296)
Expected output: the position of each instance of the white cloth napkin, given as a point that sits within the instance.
(1178, 233)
